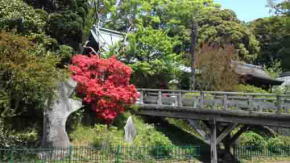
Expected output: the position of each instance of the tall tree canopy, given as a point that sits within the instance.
(151, 55)
(221, 27)
(274, 40)
(66, 19)
(146, 20)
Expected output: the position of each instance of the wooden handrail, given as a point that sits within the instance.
(211, 92)
(226, 100)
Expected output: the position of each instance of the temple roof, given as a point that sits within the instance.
(254, 74)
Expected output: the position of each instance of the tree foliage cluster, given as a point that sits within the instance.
(273, 33)
(26, 79)
(262, 42)
(160, 35)
(62, 20)
(222, 27)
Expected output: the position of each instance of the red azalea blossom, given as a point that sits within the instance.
(104, 84)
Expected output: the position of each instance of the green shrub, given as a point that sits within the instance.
(279, 144)
(275, 144)
(82, 135)
(197, 94)
(109, 137)
(249, 89)
(253, 141)
(155, 143)
(10, 138)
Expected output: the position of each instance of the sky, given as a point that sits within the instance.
(247, 10)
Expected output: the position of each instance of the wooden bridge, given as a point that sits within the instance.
(221, 112)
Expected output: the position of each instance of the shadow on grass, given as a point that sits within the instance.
(180, 137)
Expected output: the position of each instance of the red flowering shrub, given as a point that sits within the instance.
(104, 84)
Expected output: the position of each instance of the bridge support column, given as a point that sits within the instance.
(219, 133)
(213, 143)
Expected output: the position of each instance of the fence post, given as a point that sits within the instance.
(11, 160)
(118, 154)
(70, 153)
(157, 152)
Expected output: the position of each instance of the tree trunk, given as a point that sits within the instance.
(194, 35)
(56, 113)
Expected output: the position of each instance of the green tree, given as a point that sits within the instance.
(221, 27)
(67, 20)
(274, 41)
(176, 18)
(150, 54)
(27, 80)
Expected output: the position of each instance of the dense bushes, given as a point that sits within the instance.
(255, 142)
(279, 144)
(113, 136)
(249, 89)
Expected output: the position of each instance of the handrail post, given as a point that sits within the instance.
(179, 96)
(278, 104)
(282, 103)
(141, 98)
(250, 102)
(159, 100)
(201, 99)
(225, 101)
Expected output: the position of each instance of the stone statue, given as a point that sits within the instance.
(130, 130)
(57, 110)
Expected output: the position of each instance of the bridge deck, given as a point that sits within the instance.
(233, 107)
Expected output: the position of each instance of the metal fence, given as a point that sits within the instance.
(117, 154)
(248, 152)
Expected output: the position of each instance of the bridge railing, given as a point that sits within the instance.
(216, 100)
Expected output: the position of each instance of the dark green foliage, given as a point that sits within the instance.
(66, 19)
(221, 27)
(66, 27)
(274, 40)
